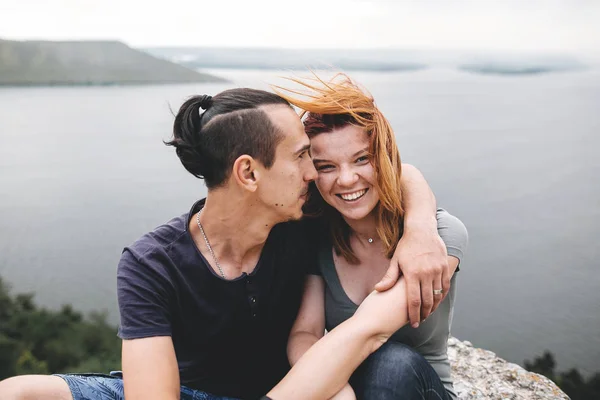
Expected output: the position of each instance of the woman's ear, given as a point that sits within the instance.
(246, 173)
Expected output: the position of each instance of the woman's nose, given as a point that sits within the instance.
(347, 177)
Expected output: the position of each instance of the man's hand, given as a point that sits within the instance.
(421, 257)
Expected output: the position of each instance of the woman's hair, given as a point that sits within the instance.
(332, 105)
(208, 142)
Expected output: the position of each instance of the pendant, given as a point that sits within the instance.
(370, 240)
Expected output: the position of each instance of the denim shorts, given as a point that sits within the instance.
(110, 387)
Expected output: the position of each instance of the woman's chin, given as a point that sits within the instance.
(355, 214)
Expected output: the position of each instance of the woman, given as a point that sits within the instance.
(358, 193)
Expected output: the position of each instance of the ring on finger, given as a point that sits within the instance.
(438, 291)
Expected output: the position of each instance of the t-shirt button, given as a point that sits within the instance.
(249, 281)
(253, 299)
(254, 315)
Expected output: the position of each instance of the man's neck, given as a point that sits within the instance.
(236, 228)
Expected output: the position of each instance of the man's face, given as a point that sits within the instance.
(283, 187)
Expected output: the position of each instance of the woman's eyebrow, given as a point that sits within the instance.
(366, 149)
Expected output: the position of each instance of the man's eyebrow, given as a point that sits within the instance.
(303, 149)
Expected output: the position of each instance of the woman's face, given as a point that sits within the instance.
(346, 177)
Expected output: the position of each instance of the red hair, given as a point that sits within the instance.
(332, 105)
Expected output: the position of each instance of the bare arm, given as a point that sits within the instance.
(452, 264)
(421, 254)
(150, 369)
(417, 198)
(309, 326)
(326, 367)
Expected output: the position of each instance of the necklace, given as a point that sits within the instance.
(212, 253)
(370, 240)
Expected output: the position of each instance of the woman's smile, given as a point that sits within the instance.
(352, 196)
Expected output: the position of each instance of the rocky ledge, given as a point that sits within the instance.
(480, 374)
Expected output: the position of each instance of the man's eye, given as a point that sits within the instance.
(324, 167)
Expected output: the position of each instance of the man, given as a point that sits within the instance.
(207, 300)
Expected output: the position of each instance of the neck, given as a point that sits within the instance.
(364, 228)
(235, 228)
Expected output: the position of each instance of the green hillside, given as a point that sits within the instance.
(87, 63)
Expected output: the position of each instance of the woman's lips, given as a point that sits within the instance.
(352, 196)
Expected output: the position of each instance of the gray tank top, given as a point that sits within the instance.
(430, 339)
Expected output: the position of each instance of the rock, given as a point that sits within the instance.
(480, 374)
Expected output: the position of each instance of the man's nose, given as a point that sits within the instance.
(347, 177)
(311, 174)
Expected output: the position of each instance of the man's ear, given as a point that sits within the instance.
(246, 172)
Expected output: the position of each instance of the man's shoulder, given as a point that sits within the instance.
(160, 239)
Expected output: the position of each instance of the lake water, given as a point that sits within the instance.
(83, 172)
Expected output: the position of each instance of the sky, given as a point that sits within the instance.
(544, 25)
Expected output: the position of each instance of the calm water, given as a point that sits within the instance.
(83, 173)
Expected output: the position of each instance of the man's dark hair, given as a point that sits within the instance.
(209, 142)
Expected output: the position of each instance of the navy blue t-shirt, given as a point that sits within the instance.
(229, 336)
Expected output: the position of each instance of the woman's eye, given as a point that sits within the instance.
(362, 159)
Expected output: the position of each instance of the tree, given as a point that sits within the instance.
(571, 382)
(37, 340)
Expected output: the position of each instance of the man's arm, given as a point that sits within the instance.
(420, 256)
(150, 369)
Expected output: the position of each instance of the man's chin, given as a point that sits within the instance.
(297, 216)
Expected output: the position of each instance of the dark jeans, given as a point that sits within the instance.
(396, 371)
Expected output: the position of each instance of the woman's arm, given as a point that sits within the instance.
(326, 367)
(309, 326)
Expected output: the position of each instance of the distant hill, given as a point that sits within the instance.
(87, 63)
(385, 59)
(301, 59)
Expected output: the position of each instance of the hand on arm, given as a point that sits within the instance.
(421, 255)
(150, 370)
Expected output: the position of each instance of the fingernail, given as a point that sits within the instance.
(415, 325)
